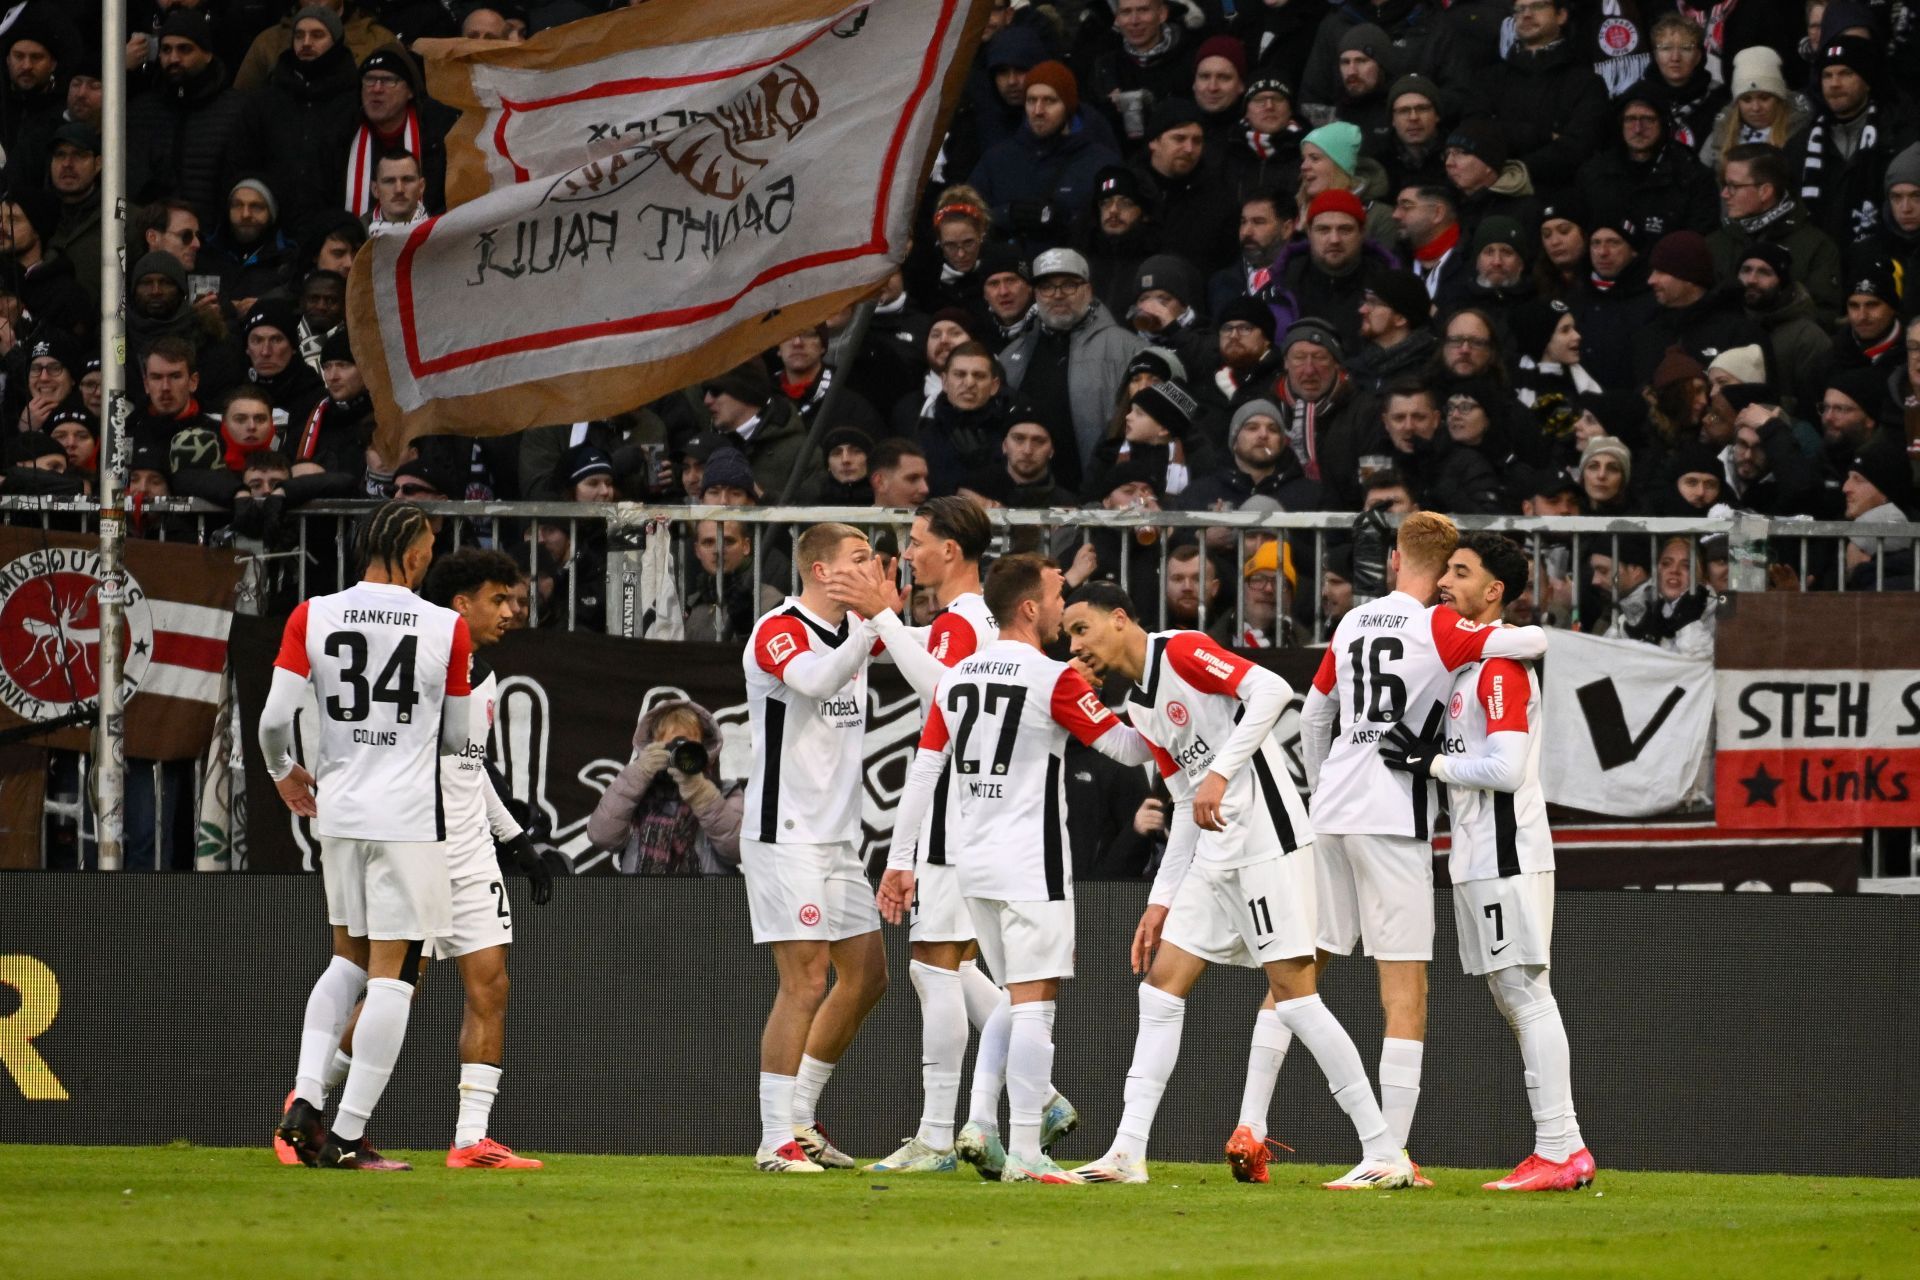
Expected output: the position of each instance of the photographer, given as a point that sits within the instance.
(667, 812)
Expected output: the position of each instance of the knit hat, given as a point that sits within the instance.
(1267, 84)
(703, 445)
(1171, 114)
(748, 382)
(263, 190)
(1367, 38)
(1118, 180)
(1338, 201)
(1694, 457)
(1132, 471)
(1616, 221)
(1904, 168)
(1565, 206)
(148, 457)
(1415, 84)
(1340, 140)
(1058, 78)
(1756, 69)
(1482, 139)
(1248, 311)
(1248, 412)
(42, 209)
(195, 449)
(1169, 274)
(337, 349)
(1866, 386)
(325, 17)
(1675, 366)
(585, 461)
(1684, 256)
(1873, 275)
(1403, 292)
(189, 24)
(1061, 262)
(433, 477)
(272, 313)
(846, 435)
(998, 259)
(1162, 363)
(1018, 46)
(395, 61)
(1169, 405)
(1776, 255)
(1273, 557)
(1223, 47)
(73, 413)
(1500, 229)
(54, 345)
(1882, 463)
(1859, 54)
(77, 133)
(727, 468)
(1742, 364)
(1609, 447)
(1316, 331)
(1532, 324)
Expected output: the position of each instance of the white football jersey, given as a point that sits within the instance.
(805, 784)
(1186, 706)
(382, 661)
(1496, 833)
(957, 632)
(1006, 713)
(1390, 661)
(475, 814)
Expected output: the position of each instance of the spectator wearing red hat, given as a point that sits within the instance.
(1325, 275)
(1694, 315)
(1037, 181)
(1219, 83)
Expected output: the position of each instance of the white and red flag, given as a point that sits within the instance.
(179, 610)
(642, 199)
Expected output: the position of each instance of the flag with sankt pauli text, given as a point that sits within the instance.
(643, 199)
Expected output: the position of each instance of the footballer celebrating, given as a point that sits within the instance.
(390, 673)
(1236, 884)
(1002, 718)
(1390, 663)
(943, 550)
(807, 890)
(1488, 755)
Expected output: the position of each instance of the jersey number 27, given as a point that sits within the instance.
(965, 701)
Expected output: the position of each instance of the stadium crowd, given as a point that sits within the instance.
(1542, 257)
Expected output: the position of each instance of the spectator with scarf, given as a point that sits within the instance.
(662, 820)
(1842, 157)
(395, 115)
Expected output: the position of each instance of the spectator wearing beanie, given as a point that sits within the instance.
(1331, 160)
(1219, 82)
(1648, 175)
(1396, 330)
(1548, 101)
(1263, 151)
(1036, 182)
(1486, 180)
(1859, 123)
(1560, 268)
(1784, 310)
(1898, 235)
(1694, 314)
(1167, 292)
(1613, 302)
(844, 483)
(959, 429)
(1119, 231)
(1190, 175)
(766, 428)
(1879, 490)
(996, 101)
(184, 132)
(40, 276)
(274, 366)
(1325, 274)
(1248, 362)
(1260, 462)
(338, 430)
(1763, 203)
(1412, 151)
(1763, 109)
(1549, 377)
(1023, 478)
(395, 115)
(1871, 334)
(248, 250)
(359, 31)
(1157, 431)
(32, 100)
(1606, 475)
(37, 466)
(158, 306)
(304, 113)
(1369, 65)
(1327, 421)
(1502, 261)
(1420, 41)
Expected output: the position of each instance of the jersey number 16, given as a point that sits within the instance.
(1389, 700)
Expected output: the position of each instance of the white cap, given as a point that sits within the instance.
(1060, 262)
(1756, 69)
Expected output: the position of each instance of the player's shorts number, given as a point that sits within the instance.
(394, 683)
(499, 900)
(1389, 692)
(1262, 915)
(1492, 912)
(965, 701)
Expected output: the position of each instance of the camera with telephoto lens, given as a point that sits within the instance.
(687, 755)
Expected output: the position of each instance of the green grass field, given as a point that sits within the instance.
(199, 1212)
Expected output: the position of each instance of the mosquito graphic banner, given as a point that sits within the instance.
(643, 199)
(179, 608)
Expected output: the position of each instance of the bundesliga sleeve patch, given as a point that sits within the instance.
(780, 647)
(1091, 707)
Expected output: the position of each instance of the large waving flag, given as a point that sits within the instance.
(645, 198)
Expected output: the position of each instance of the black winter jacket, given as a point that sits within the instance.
(183, 141)
(1551, 106)
(296, 129)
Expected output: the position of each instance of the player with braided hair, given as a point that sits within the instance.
(390, 676)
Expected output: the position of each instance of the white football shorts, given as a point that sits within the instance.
(1504, 921)
(481, 917)
(807, 892)
(1378, 890)
(939, 911)
(1247, 915)
(387, 891)
(1024, 941)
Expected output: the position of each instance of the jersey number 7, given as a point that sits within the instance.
(1389, 702)
(965, 701)
(394, 683)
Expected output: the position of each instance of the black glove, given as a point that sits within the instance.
(1372, 538)
(1403, 749)
(530, 864)
(1030, 217)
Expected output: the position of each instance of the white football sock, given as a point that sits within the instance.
(1270, 1041)
(337, 1070)
(776, 1111)
(1155, 1050)
(990, 1067)
(479, 1086)
(1525, 998)
(328, 1007)
(1029, 1068)
(981, 995)
(943, 1046)
(376, 1045)
(1332, 1048)
(813, 1077)
(1400, 1084)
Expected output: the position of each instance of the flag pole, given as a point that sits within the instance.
(110, 747)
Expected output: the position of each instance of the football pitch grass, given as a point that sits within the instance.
(201, 1212)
